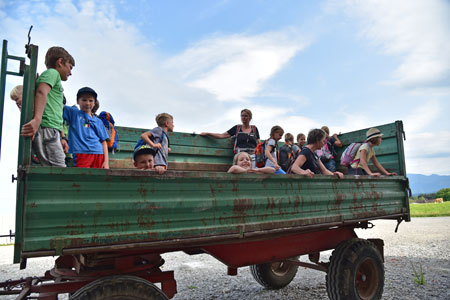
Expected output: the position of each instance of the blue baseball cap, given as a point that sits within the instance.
(86, 90)
(143, 149)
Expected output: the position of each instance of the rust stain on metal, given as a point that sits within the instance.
(145, 222)
(76, 185)
(143, 191)
(297, 202)
(152, 207)
(240, 208)
(242, 205)
(74, 229)
(359, 184)
(338, 199)
(270, 204)
(33, 204)
(120, 226)
(213, 193)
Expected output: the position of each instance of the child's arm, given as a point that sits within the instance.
(338, 142)
(40, 100)
(363, 163)
(270, 157)
(105, 155)
(265, 170)
(160, 169)
(64, 143)
(325, 171)
(380, 167)
(146, 138)
(237, 170)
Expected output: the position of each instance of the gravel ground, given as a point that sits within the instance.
(423, 242)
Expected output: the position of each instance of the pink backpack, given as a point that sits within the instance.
(348, 156)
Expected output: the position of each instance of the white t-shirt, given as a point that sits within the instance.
(271, 142)
(370, 153)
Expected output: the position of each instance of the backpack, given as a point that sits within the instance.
(349, 154)
(286, 157)
(108, 121)
(325, 153)
(260, 156)
(234, 138)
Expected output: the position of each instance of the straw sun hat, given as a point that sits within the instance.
(373, 133)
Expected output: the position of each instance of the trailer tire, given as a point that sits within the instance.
(119, 287)
(356, 271)
(274, 275)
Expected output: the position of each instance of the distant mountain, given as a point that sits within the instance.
(424, 184)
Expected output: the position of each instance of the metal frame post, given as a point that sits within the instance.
(3, 73)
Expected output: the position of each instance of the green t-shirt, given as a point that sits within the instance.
(53, 111)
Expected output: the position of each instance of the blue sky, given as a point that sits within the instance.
(298, 64)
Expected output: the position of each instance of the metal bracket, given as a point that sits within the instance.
(399, 220)
(365, 225)
(27, 46)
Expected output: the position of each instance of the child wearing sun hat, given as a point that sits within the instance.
(366, 153)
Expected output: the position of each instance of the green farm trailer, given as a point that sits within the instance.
(108, 228)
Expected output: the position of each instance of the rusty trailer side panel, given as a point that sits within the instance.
(67, 210)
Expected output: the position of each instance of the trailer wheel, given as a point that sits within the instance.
(119, 287)
(356, 272)
(274, 275)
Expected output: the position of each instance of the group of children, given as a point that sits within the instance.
(88, 136)
(87, 133)
(317, 157)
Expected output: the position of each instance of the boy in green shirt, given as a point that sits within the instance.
(46, 126)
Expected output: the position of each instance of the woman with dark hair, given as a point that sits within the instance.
(246, 136)
(307, 162)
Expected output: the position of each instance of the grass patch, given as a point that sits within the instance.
(419, 275)
(430, 209)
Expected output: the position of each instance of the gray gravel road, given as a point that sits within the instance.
(423, 242)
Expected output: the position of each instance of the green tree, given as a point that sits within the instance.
(444, 193)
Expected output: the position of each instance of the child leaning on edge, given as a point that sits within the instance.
(143, 157)
(242, 163)
(47, 123)
(157, 138)
(271, 149)
(87, 134)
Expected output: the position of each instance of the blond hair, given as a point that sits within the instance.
(248, 111)
(55, 53)
(236, 157)
(162, 118)
(326, 129)
(288, 137)
(16, 92)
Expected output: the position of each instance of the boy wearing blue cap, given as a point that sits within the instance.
(157, 139)
(87, 133)
(143, 157)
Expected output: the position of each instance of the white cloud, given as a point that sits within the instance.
(427, 165)
(235, 67)
(415, 31)
(422, 116)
